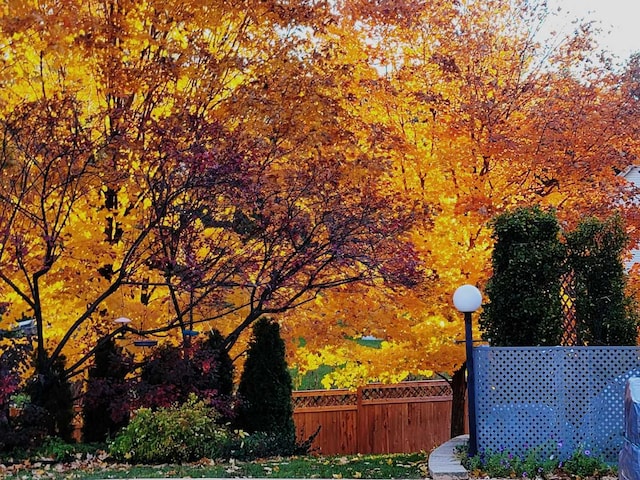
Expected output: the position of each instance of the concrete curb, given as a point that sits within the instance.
(443, 464)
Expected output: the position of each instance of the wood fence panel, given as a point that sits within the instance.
(407, 417)
(337, 433)
(394, 422)
(403, 427)
(430, 423)
(370, 425)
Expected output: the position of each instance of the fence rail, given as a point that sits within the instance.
(406, 417)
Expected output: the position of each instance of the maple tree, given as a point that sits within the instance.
(195, 165)
(484, 115)
(178, 163)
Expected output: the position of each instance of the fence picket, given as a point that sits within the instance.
(406, 417)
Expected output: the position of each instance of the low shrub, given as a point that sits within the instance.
(57, 449)
(176, 434)
(534, 463)
(52, 449)
(583, 464)
(251, 446)
(28, 430)
(244, 446)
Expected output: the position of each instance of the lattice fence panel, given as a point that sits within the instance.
(570, 335)
(534, 396)
(406, 391)
(333, 400)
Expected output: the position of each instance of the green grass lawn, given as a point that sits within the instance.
(345, 466)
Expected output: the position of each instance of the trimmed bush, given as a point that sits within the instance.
(524, 306)
(605, 315)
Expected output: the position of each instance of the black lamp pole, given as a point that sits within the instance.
(471, 386)
(467, 299)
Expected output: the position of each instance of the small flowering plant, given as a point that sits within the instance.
(540, 462)
(504, 464)
(584, 464)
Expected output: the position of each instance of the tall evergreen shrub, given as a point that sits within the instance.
(106, 402)
(605, 315)
(265, 388)
(523, 306)
(51, 406)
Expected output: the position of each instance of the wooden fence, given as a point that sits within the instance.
(406, 417)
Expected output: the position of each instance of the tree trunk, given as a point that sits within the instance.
(459, 389)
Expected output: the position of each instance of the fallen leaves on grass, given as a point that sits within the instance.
(50, 468)
(339, 467)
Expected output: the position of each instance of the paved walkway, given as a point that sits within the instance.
(443, 463)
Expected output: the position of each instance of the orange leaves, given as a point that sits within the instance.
(224, 160)
(207, 170)
(476, 117)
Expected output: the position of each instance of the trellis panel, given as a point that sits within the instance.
(571, 397)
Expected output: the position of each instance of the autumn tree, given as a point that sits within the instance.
(200, 164)
(480, 115)
(180, 164)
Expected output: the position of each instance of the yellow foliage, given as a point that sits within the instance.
(448, 113)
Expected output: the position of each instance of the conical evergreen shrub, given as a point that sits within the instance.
(265, 389)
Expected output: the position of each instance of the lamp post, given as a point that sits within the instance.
(467, 299)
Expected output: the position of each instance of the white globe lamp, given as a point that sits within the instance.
(467, 298)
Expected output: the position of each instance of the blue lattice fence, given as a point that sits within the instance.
(544, 396)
